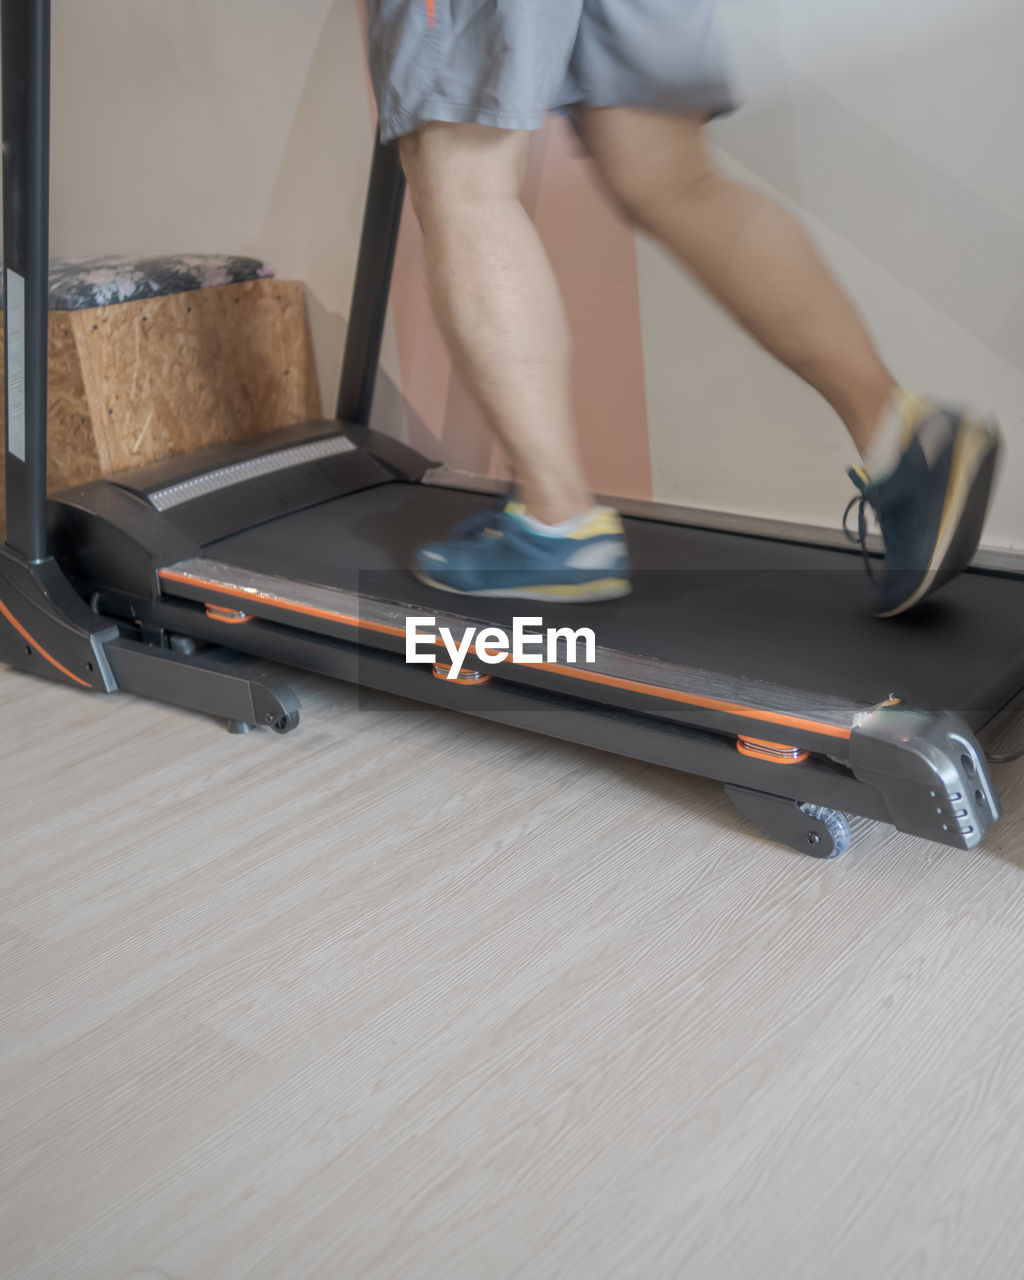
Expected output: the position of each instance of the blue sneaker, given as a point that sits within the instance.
(932, 508)
(501, 554)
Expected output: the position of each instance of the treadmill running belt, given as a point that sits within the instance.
(746, 607)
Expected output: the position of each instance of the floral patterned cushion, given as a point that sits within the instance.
(99, 282)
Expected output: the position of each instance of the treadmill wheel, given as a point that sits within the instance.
(837, 831)
(285, 724)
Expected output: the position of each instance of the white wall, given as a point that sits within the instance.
(896, 128)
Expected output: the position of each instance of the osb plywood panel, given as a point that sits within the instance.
(170, 375)
(72, 457)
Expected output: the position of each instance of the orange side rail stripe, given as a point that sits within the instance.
(39, 648)
(328, 615)
(694, 700)
(594, 677)
(431, 12)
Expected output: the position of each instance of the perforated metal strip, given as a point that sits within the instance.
(224, 477)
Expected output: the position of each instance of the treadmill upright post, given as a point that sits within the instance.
(26, 173)
(381, 222)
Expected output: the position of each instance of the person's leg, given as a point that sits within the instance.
(748, 251)
(498, 304)
(462, 86)
(929, 468)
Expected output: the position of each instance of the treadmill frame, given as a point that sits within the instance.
(921, 771)
(100, 595)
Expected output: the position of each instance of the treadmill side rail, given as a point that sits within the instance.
(731, 705)
(931, 772)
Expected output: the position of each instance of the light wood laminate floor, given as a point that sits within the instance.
(406, 996)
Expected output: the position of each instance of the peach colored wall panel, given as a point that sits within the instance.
(594, 254)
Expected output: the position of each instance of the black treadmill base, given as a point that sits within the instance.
(607, 728)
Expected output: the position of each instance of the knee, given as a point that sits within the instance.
(449, 166)
(648, 195)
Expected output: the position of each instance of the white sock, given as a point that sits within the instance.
(883, 456)
(904, 410)
(561, 530)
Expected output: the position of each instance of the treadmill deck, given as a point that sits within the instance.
(745, 610)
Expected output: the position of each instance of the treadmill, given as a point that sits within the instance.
(745, 654)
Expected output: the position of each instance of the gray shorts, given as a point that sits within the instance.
(506, 62)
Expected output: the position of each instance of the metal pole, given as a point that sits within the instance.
(26, 170)
(381, 222)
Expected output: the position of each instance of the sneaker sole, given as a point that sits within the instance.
(584, 593)
(975, 466)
